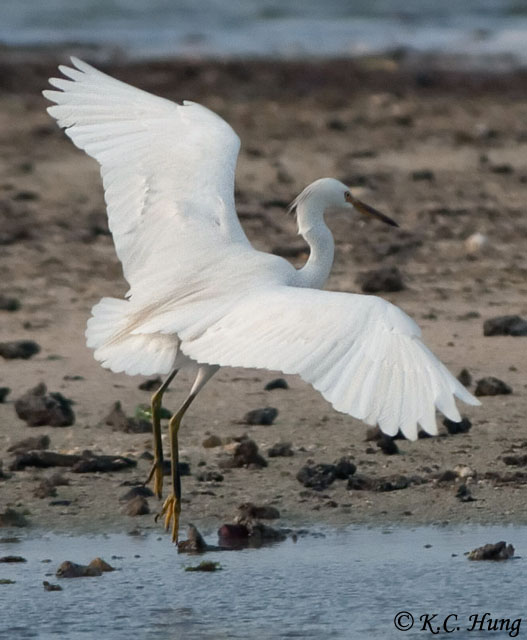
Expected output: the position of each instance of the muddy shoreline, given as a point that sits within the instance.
(442, 151)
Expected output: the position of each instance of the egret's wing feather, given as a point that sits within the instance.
(168, 170)
(362, 353)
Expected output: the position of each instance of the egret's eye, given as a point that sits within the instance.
(347, 196)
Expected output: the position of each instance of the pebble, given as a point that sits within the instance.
(515, 461)
(137, 506)
(194, 543)
(422, 174)
(9, 304)
(264, 416)
(30, 444)
(385, 279)
(344, 468)
(318, 476)
(211, 441)
(22, 349)
(4, 392)
(210, 476)
(73, 570)
(476, 244)
(121, 422)
(37, 408)
(102, 565)
(491, 386)
(206, 566)
(505, 326)
(457, 427)
(498, 551)
(12, 518)
(152, 384)
(465, 377)
(464, 494)
(277, 383)
(280, 449)
(12, 559)
(51, 587)
(245, 455)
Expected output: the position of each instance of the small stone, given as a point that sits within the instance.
(516, 461)
(51, 587)
(344, 468)
(211, 441)
(9, 304)
(210, 476)
(4, 392)
(336, 124)
(121, 422)
(194, 543)
(457, 427)
(498, 551)
(12, 559)
(7, 581)
(133, 492)
(37, 407)
(101, 565)
(422, 174)
(385, 279)
(233, 535)
(12, 518)
(151, 384)
(206, 566)
(464, 471)
(505, 326)
(464, 494)
(264, 416)
(476, 244)
(277, 383)
(73, 570)
(491, 386)
(387, 445)
(280, 449)
(23, 349)
(91, 463)
(447, 476)
(317, 477)
(138, 506)
(30, 444)
(465, 377)
(245, 455)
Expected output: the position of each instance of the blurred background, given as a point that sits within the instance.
(493, 29)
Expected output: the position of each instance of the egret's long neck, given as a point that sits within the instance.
(312, 227)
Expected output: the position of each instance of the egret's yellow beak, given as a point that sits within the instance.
(362, 207)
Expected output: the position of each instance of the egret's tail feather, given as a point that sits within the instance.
(118, 350)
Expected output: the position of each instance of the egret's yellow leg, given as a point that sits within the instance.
(172, 506)
(157, 467)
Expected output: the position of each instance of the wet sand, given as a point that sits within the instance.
(443, 153)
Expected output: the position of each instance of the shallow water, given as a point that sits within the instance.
(347, 583)
(277, 28)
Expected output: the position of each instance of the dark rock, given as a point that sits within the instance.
(4, 392)
(422, 174)
(139, 490)
(43, 459)
(51, 587)
(206, 566)
(101, 565)
(277, 383)
(501, 168)
(360, 482)
(264, 416)
(498, 551)
(344, 468)
(30, 444)
(194, 543)
(336, 124)
(7, 581)
(505, 326)
(37, 408)
(387, 445)
(464, 494)
(260, 534)
(390, 483)
(121, 422)
(233, 535)
(394, 484)
(384, 279)
(137, 506)
(245, 455)
(447, 476)
(457, 427)
(465, 378)
(152, 384)
(211, 441)
(72, 570)
(23, 349)
(12, 518)
(60, 503)
(491, 386)
(318, 476)
(12, 559)
(249, 511)
(91, 463)
(9, 304)
(280, 449)
(515, 461)
(209, 476)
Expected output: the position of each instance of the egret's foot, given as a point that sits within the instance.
(171, 511)
(156, 472)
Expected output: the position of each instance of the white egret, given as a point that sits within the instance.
(200, 295)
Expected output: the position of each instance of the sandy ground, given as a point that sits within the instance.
(371, 125)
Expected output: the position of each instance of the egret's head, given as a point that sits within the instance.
(328, 192)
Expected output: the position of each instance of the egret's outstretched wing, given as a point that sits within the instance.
(168, 170)
(362, 353)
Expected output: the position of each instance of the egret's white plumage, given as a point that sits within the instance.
(200, 292)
